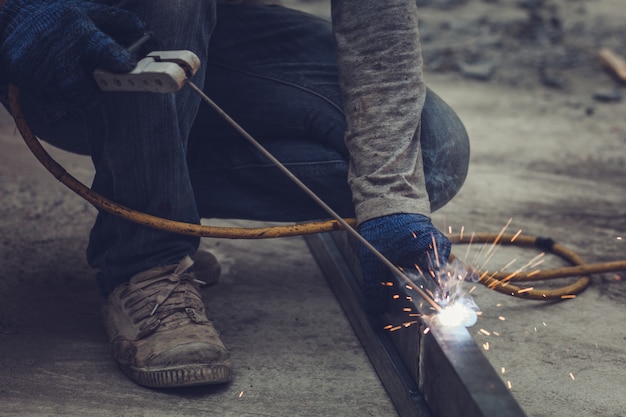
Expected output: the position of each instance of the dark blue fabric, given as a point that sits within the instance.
(51, 47)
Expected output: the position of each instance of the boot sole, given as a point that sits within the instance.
(185, 376)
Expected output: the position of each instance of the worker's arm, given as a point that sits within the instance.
(51, 47)
(383, 91)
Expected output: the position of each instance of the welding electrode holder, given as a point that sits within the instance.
(157, 72)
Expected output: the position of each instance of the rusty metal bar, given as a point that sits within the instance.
(428, 370)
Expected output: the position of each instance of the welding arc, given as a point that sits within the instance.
(498, 281)
(201, 230)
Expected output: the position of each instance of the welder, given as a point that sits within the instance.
(341, 103)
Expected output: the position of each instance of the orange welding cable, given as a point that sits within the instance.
(145, 219)
(501, 280)
(498, 281)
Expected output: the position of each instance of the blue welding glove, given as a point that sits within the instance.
(51, 47)
(406, 240)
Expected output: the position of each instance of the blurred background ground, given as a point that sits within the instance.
(528, 44)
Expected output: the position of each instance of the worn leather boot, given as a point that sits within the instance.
(159, 333)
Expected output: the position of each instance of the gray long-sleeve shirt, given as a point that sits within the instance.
(380, 67)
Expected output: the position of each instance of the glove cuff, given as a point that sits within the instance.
(391, 222)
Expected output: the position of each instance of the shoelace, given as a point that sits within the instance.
(178, 276)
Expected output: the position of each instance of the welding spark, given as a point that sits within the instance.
(444, 290)
(447, 290)
(456, 315)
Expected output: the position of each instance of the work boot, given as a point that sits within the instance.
(159, 333)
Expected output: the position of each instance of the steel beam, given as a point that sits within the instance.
(428, 370)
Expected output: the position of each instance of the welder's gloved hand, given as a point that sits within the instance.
(406, 240)
(51, 47)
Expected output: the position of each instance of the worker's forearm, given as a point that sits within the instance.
(381, 79)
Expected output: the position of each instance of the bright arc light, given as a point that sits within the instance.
(457, 314)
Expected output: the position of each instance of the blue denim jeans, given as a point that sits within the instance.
(273, 70)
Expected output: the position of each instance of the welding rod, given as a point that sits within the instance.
(314, 196)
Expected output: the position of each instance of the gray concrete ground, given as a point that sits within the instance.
(551, 161)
